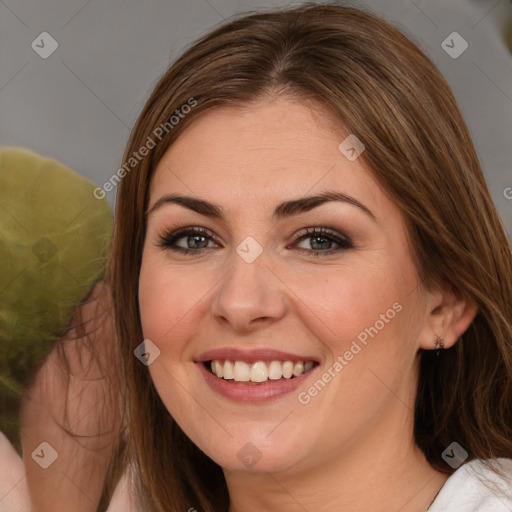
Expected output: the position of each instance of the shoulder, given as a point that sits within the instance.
(124, 498)
(13, 484)
(475, 487)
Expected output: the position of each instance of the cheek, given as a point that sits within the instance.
(367, 319)
(156, 304)
(353, 302)
(171, 303)
(160, 302)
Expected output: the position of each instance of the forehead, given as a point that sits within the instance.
(268, 148)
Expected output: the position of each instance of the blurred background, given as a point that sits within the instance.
(74, 74)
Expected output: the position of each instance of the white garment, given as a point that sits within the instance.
(475, 488)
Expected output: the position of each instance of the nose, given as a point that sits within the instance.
(250, 296)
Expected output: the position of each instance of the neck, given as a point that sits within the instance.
(379, 485)
(384, 470)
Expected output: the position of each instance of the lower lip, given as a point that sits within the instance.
(239, 392)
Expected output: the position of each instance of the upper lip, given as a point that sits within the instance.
(251, 356)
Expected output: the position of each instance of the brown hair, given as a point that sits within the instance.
(381, 87)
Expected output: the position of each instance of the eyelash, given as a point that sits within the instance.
(168, 240)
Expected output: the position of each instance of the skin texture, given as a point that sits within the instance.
(351, 447)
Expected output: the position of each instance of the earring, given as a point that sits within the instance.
(438, 344)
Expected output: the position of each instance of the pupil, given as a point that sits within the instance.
(315, 239)
(196, 238)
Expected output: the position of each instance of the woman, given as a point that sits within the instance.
(306, 244)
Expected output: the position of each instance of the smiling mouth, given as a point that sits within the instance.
(259, 372)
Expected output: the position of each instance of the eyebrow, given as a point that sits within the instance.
(282, 211)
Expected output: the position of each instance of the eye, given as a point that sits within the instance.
(196, 239)
(321, 241)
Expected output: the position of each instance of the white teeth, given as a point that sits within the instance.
(275, 370)
(287, 369)
(259, 371)
(242, 371)
(217, 368)
(227, 371)
(298, 369)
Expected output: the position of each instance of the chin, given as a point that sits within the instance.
(257, 455)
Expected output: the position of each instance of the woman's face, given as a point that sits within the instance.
(273, 283)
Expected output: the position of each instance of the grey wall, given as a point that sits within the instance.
(78, 104)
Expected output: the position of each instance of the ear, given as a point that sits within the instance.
(448, 316)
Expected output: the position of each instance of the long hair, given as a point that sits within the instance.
(381, 87)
